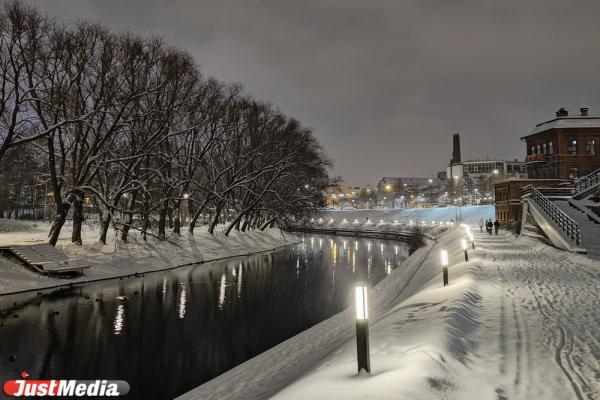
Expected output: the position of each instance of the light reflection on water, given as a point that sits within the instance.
(185, 326)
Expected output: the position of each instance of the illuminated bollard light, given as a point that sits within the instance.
(362, 329)
(472, 239)
(463, 244)
(444, 260)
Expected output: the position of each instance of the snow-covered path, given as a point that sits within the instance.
(545, 313)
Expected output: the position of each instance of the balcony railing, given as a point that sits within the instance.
(587, 181)
(532, 158)
(569, 227)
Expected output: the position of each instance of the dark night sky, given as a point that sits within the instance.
(384, 84)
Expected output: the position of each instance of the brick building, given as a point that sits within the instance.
(565, 147)
(508, 196)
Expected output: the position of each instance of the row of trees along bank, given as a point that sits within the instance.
(132, 127)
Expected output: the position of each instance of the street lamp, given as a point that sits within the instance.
(463, 244)
(444, 261)
(362, 329)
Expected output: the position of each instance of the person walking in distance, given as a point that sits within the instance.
(480, 224)
(488, 226)
(496, 226)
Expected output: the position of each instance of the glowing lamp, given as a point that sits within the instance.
(444, 258)
(362, 329)
(362, 309)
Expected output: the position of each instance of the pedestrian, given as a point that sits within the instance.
(497, 226)
(488, 226)
(480, 224)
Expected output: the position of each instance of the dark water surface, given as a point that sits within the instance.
(169, 332)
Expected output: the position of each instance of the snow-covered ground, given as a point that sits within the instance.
(520, 320)
(470, 214)
(118, 259)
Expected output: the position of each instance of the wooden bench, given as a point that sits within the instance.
(47, 259)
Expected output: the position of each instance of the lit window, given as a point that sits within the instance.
(573, 173)
(532, 149)
(550, 148)
(544, 148)
(572, 146)
(590, 147)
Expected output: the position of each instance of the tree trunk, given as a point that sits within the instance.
(146, 216)
(266, 224)
(234, 223)
(162, 221)
(245, 224)
(177, 221)
(215, 219)
(128, 217)
(59, 220)
(104, 224)
(77, 219)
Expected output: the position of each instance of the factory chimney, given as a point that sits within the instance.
(456, 149)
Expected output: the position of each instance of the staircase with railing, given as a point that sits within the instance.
(569, 229)
(587, 181)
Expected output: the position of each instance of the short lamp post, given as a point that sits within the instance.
(444, 260)
(472, 240)
(463, 244)
(362, 329)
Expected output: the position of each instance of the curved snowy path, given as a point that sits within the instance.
(543, 306)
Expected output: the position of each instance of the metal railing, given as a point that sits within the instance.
(567, 224)
(587, 181)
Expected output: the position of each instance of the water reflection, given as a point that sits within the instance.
(182, 301)
(118, 324)
(186, 326)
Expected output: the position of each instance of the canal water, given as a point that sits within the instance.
(168, 332)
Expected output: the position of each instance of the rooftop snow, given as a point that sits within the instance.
(567, 122)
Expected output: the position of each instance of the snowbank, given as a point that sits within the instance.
(117, 259)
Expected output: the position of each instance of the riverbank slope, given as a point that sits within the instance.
(118, 259)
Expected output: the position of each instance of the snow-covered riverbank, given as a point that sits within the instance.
(468, 214)
(519, 320)
(118, 259)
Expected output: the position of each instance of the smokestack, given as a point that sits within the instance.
(584, 111)
(562, 112)
(456, 148)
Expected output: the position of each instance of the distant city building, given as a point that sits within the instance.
(345, 197)
(405, 191)
(482, 174)
(565, 147)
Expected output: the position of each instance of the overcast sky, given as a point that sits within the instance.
(384, 84)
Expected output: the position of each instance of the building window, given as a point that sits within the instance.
(550, 148)
(544, 148)
(539, 149)
(590, 147)
(532, 150)
(573, 146)
(573, 173)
